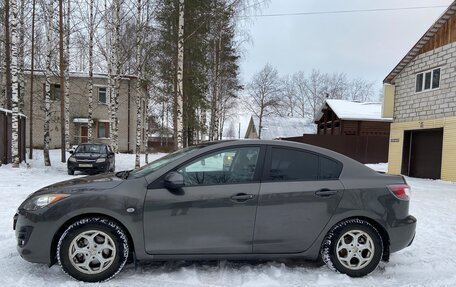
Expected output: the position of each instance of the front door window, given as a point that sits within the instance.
(228, 166)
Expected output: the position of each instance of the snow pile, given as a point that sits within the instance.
(430, 261)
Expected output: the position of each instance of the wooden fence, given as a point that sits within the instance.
(365, 149)
(5, 137)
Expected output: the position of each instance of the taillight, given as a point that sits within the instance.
(401, 191)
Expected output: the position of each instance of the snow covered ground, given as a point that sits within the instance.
(430, 261)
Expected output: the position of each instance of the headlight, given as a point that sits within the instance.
(72, 159)
(101, 159)
(41, 201)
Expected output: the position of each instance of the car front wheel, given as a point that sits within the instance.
(93, 249)
(353, 247)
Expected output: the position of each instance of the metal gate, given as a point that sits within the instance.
(422, 153)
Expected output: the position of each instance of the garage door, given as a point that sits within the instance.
(422, 154)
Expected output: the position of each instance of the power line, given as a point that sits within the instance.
(342, 11)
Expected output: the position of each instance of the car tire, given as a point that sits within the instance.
(353, 247)
(93, 249)
(70, 172)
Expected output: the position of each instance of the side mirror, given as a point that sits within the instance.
(71, 151)
(110, 153)
(174, 180)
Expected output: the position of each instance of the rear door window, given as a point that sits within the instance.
(287, 164)
(295, 165)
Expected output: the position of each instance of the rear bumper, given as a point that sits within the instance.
(402, 233)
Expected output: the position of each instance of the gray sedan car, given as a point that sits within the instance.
(224, 200)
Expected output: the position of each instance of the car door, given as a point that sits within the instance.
(213, 212)
(298, 195)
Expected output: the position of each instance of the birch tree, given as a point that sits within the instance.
(47, 99)
(15, 83)
(90, 84)
(62, 84)
(67, 76)
(138, 86)
(180, 79)
(115, 76)
(32, 70)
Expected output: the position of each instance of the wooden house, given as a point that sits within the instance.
(341, 117)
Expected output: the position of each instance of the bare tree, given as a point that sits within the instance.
(32, 70)
(115, 76)
(67, 76)
(138, 86)
(90, 84)
(62, 84)
(47, 99)
(264, 94)
(180, 79)
(15, 83)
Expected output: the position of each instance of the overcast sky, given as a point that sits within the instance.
(367, 44)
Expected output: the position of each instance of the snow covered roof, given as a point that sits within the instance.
(282, 127)
(10, 112)
(357, 111)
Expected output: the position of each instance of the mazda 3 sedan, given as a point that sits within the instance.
(249, 199)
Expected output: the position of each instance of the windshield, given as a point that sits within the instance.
(161, 162)
(91, 148)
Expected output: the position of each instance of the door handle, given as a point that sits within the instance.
(325, 192)
(242, 197)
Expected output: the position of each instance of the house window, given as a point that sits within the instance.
(55, 92)
(103, 130)
(103, 96)
(428, 80)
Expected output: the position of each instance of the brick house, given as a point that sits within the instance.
(78, 110)
(420, 96)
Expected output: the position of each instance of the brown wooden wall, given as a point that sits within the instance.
(5, 138)
(365, 149)
(445, 35)
(361, 128)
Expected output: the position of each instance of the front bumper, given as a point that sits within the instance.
(94, 167)
(34, 238)
(402, 233)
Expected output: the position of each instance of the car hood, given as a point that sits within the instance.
(83, 184)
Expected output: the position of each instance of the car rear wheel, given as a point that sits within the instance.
(353, 247)
(93, 249)
(70, 172)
